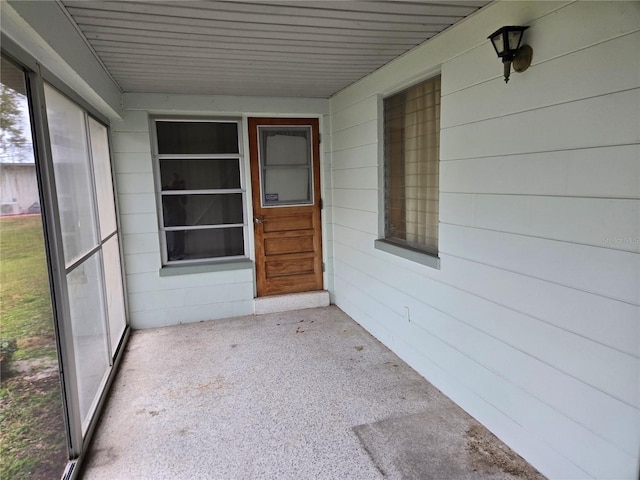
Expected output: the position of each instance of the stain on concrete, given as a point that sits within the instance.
(104, 456)
(442, 444)
(488, 454)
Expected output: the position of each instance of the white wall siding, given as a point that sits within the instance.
(532, 322)
(156, 300)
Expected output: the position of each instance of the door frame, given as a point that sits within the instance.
(255, 180)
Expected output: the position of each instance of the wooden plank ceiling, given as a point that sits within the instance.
(266, 48)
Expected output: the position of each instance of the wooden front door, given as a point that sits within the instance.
(285, 180)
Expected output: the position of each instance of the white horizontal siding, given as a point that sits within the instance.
(365, 200)
(602, 271)
(137, 203)
(600, 319)
(595, 122)
(140, 243)
(191, 313)
(134, 183)
(612, 172)
(131, 142)
(365, 178)
(132, 162)
(593, 221)
(356, 219)
(143, 262)
(532, 321)
(355, 157)
(150, 282)
(356, 135)
(196, 295)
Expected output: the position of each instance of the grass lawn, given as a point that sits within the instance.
(32, 432)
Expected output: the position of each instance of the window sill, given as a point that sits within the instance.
(408, 253)
(220, 266)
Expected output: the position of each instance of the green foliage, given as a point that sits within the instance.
(25, 303)
(32, 432)
(10, 128)
(32, 440)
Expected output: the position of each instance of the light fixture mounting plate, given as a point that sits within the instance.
(523, 58)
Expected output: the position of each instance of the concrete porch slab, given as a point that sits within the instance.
(294, 301)
(300, 395)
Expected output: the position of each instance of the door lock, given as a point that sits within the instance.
(259, 219)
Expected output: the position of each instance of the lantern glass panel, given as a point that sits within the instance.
(498, 43)
(514, 39)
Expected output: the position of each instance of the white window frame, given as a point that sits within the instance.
(157, 157)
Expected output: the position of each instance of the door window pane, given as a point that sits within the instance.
(72, 175)
(286, 186)
(285, 157)
(89, 332)
(103, 179)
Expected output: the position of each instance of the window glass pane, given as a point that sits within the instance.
(197, 137)
(206, 174)
(287, 186)
(206, 243)
(72, 175)
(102, 172)
(285, 146)
(89, 332)
(114, 291)
(285, 157)
(412, 145)
(191, 210)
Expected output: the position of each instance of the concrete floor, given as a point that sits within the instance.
(298, 395)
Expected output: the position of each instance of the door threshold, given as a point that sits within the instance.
(292, 301)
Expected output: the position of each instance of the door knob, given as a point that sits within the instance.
(258, 219)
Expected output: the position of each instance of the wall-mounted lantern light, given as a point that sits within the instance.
(506, 42)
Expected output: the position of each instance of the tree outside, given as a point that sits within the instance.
(14, 146)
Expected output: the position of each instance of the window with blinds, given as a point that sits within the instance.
(412, 157)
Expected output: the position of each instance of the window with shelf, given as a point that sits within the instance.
(201, 191)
